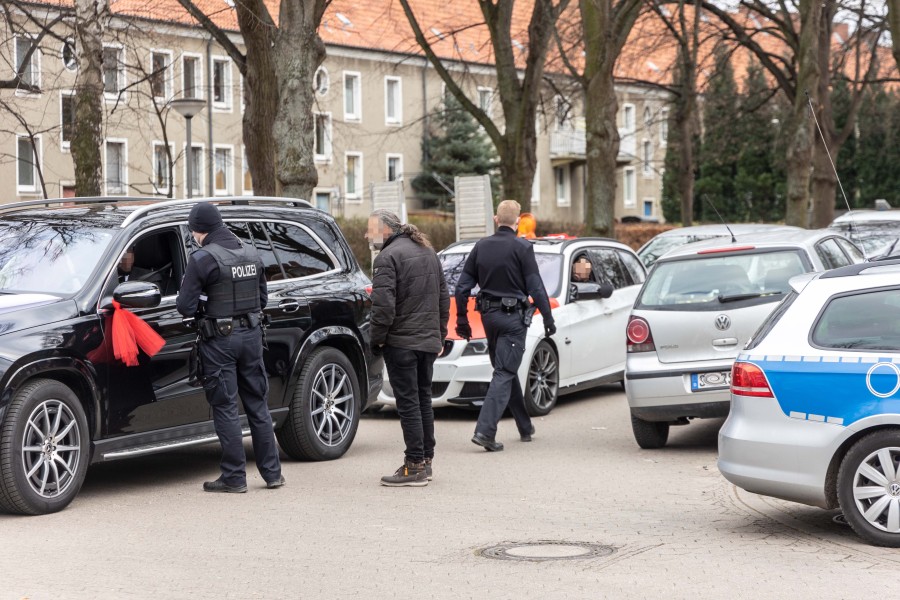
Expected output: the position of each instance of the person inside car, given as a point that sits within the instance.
(127, 270)
(581, 269)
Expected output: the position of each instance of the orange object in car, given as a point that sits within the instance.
(475, 319)
(527, 226)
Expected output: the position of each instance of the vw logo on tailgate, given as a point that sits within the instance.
(723, 322)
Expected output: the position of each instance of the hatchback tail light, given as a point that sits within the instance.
(749, 380)
(639, 337)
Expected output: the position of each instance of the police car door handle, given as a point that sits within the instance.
(289, 306)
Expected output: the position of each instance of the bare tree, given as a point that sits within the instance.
(893, 13)
(92, 18)
(519, 90)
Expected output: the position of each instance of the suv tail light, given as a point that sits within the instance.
(749, 380)
(639, 337)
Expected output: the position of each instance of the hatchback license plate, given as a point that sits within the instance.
(710, 381)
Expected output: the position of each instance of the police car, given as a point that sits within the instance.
(585, 351)
(815, 400)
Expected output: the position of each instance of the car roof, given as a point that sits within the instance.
(545, 245)
(722, 230)
(784, 238)
(865, 216)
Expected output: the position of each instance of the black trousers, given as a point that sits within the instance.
(506, 345)
(233, 366)
(410, 374)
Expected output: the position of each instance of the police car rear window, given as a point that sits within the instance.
(718, 281)
(861, 321)
(550, 266)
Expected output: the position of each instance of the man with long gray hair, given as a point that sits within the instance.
(410, 309)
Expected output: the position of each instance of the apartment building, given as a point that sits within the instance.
(374, 101)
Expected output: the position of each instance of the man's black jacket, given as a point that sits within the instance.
(410, 303)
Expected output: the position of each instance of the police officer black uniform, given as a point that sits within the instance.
(230, 275)
(505, 268)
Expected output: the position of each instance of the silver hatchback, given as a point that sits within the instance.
(697, 309)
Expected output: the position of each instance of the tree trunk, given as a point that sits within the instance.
(260, 94)
(518, 162)
(893, 7)
(298, 53)
(601, 150)
(824, 181)
(824, 185)
(800, 126)
(91, 17)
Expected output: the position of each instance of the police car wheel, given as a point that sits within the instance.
(542, 385)
(324, 412)
(44, 449)
(649, 435)
(869, 488)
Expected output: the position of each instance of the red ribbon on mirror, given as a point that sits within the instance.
(130, 332)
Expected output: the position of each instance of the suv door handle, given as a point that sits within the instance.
(289, 306)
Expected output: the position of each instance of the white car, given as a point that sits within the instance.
(675, 238)
(875, 231)
(587, 348)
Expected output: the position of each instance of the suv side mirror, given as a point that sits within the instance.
(137, 294)
(581, 291)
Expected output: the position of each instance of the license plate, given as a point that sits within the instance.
(710, 381)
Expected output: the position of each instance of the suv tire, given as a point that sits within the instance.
(852, 482)
(324, 411)
(649, 435)
(44, 449)
(542, 380)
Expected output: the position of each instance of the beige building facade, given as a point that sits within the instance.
(372, 110)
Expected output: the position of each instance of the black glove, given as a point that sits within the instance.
(378, 350)
(549, 329)
(463, 330)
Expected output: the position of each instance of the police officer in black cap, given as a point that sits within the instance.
(505, 268)
(230, 275)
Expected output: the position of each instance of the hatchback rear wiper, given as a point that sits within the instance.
(747, 296)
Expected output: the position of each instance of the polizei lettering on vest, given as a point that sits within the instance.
(241, 271)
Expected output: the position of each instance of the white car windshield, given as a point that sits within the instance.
(46, 257)
(550, 266)
(713, 282)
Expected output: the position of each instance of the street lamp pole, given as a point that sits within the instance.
(189, 108)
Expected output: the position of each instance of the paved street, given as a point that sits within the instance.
(144, 529)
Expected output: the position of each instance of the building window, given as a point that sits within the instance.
(222, 171)
(162, 174)
(353, 175)
(67, 118)
(196, 178)
(323, 201)
(28, 150)
(113, 71)
(393, 110)
(648, 208)
(191, 74)
(485, 100)
(69, 56)
(221, 83)
(394, 167)
(352, 96)
(561, 175)
(664, 126)
(646, 158)
(628, 118)
(247, 180)
(561, 113)
(323, 136)
(116, 168)
(160, 78)
(629, 190)
(322, 81)
(29, 70)
(536, 186)
(648, 117)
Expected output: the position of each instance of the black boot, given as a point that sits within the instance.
(220, 487)
(526, 437)
(489, 444)
(409, 474)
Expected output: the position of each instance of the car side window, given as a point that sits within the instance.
(865, 321)
(155, 257)
(298, 253)
(851, 250)
(633, 267)
(831, 254)
(610, 267)
(271, 266)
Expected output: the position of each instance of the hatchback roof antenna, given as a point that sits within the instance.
(711, 203)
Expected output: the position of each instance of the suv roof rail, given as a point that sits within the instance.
(233, 200)
(856, 269)
(14, 206)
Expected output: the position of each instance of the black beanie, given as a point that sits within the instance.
(204, 218)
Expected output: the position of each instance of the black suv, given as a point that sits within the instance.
(67, 402)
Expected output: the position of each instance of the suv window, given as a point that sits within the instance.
(865, 321)
(611, 269)
(298, 253)
(831, 254)
(851, 250)
(633, 267)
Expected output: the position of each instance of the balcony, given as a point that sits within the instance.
(568, 144)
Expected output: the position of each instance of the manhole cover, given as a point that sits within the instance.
(538, 551)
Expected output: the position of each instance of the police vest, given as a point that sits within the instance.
(236, 292)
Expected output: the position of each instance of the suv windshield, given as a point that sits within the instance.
(874, 237)
(714, 282)
(48, 257)
(550, 266)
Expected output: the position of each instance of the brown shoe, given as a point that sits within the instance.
(408, 475)
(428, 475)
